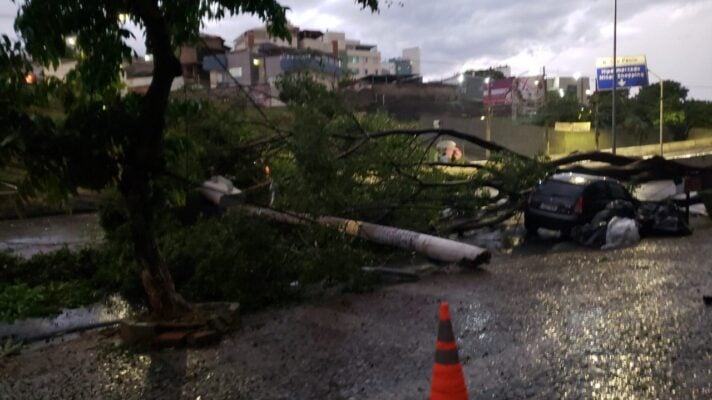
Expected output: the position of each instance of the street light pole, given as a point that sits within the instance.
(661, 118)
(661, 110)
(488, 122)
(615, 78)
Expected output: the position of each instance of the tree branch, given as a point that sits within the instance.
(492, 146)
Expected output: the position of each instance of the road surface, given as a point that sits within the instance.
(571, 324)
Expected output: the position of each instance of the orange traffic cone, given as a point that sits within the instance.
(448, 382)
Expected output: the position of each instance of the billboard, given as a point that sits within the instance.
(497, 93)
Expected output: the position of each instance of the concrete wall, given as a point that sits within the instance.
(140, 84)
(532, 140)
(700, 133)
(525, 139)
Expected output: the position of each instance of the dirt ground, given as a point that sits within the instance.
(561, 322)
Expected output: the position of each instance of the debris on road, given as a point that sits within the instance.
(662, 219)
(205, 325)
(621, 232)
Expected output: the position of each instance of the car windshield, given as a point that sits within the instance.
(560, 189)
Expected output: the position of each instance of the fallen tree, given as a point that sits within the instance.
(636, 170)
(434, 247)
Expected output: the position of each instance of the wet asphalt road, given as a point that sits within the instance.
(27, 237)
(572, 324)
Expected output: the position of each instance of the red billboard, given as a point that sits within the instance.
(497, 92)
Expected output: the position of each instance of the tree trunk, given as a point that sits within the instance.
(144, 159)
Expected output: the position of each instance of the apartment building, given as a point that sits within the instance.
(362, 59)
(252, 38)
(412, 54)
(357, 59)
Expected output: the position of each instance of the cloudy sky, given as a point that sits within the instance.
(564, 35)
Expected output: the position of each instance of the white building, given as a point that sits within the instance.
(580, 86)
(362, 59)
(413, 55)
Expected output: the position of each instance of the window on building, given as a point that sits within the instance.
(354, 71)
(236, 72)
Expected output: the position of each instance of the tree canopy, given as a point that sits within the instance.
(110, 139)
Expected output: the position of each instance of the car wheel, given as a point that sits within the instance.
(530, 226)
(565, 234)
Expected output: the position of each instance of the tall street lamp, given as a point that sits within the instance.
(488, 121)
(661, 109)
(615, 77)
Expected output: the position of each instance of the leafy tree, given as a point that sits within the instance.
(647, 107)
(563, 109)
(698, 114)
(604, 102)
(128, 133)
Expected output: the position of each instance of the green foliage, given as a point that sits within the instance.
(516, 175)
(206, 138)
(698, 114)
(49, 282)
(647, 103)
(23, 301)
(563, 109)
(640, 114)
(258, 263)
(324, 170)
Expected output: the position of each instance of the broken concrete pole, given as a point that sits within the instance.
(202, 338)
(221, 191)
(437, 248)
(432, 246)
(133, 332)
(171, 339)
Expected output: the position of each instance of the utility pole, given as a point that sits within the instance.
(546, 117)
(661, 122)
(488, 122)
(598, 133)
(615, 75)
(661, 109)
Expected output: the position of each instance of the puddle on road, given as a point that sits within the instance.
(27, 237)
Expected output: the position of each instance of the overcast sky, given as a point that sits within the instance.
(565, 35)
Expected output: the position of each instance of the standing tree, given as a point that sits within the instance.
(674, 95)
(100, 34)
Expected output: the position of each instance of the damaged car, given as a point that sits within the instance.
(565, 200)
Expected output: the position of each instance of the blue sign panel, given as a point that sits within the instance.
(627, 76)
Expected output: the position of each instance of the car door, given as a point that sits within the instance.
(598, 196)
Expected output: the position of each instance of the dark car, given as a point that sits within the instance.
(565, 200)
